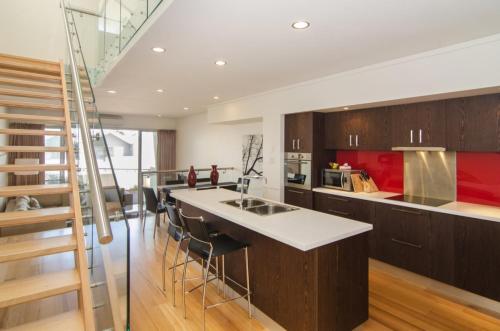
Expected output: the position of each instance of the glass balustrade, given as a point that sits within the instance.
(108, 263)
(104, 33)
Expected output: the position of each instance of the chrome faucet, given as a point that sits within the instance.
(243, 177)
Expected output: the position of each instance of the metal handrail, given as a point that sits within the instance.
(103, 226)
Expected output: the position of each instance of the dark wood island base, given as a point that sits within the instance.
(325, 288)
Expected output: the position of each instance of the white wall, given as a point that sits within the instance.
(466, 66)
(145, 122)
(202, 144)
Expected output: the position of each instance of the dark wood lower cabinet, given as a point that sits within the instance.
(459, 251)
(477, 256)
(402, 237)
(298, 197)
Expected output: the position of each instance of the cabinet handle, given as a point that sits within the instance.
(293, 144)
(357, 141)
(411, 136)
(298, 192)
(338, 199)
(344, 213)
(350, 140)
(298, 144)
(414, 212)
(420, 136)
(406, 243)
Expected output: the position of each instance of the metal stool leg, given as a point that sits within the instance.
(157, 220)
(174, 266)
(248, 284)
(164, 262)
(184, 281)
(205, 286)
(217, 274)
(144, 221)
(223, 277)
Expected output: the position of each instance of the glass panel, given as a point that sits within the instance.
(109, 263)
(133, 14)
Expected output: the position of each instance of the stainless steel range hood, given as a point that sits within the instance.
(420, 149)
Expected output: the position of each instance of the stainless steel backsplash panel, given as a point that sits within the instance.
(431, 174)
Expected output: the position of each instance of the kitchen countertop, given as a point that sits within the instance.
(484, 212)
(303, 229)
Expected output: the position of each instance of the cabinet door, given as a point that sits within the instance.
(335, 205)
(335, 131)
(290, 133)
(442, 247)
(473, 124)
(402, 237)
(418, 125)
(299, 198)
(477, 256)
(373, 129)
(304, 132)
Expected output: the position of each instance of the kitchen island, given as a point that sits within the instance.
(308, 270)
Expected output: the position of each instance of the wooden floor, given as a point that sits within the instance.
(395, 303)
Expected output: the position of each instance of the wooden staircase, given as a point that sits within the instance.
(34, 91)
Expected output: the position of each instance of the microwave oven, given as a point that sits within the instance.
(338, 179)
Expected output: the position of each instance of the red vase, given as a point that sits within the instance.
(191, 177)
(214, 175)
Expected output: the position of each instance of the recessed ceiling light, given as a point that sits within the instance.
(111, 91)
(160, 90)
(186, 108)
(220, 63)
(346, 108)
(158, 49)
(216, 98)
(300, 25)
(159, 115)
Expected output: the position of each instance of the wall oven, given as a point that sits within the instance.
(298, 170)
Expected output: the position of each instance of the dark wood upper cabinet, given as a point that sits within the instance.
(358, 130)
(299, 132)
(473, 124)
(419, 125)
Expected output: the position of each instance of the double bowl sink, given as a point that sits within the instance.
(259, 207)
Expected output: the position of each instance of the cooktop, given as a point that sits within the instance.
(433, 202)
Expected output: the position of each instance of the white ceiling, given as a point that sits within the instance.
(263, 51)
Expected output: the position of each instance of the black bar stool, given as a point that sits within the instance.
(178, 232)
(154, 206)
(208, 247)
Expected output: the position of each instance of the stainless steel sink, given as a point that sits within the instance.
(259, 207)
(247, 203)
(270, 209)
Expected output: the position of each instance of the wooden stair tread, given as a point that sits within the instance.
(42, 189)
(70, 321)
(21, 149)
(31, 65)
(30, 94)
(14, 218)
(27, 74)
(37, 287)
(32, 118)
(31, 132)
(17, 250)
(30, 105)
(27, 83)
(33, 167)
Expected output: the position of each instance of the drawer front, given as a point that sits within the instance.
(335, 205)
(403, 237)
(299, 198)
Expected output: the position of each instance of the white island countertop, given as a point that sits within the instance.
(303, 229)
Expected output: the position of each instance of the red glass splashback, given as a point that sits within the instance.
(386, 168)
(478, 178)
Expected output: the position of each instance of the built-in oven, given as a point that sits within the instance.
(338, 179)
(298, 170)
